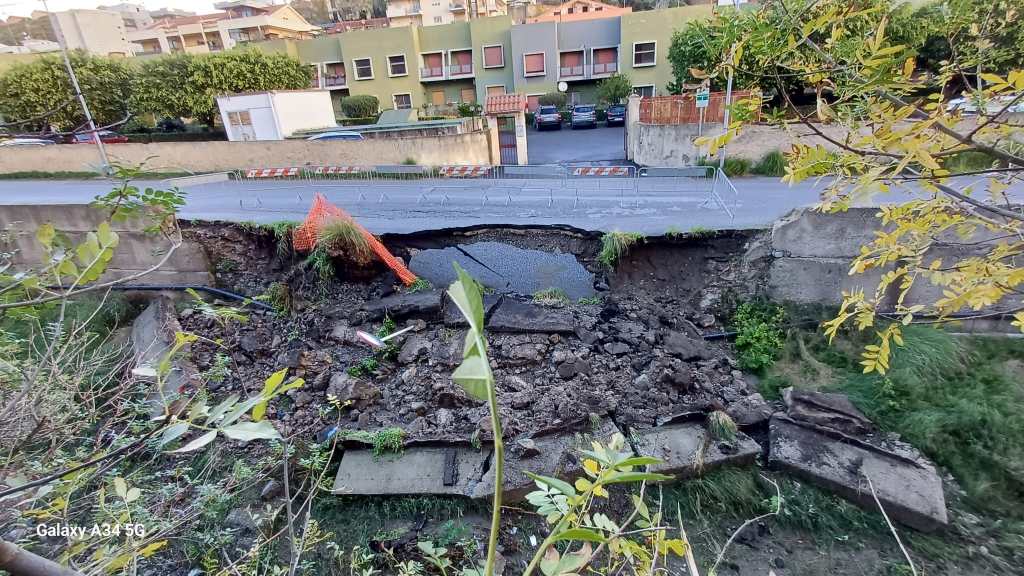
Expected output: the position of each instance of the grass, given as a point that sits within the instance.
(320, 262)
(615, 245)
(344, 236)
(387, 440)
(969, 161)
(419, 285)
(551, 297)
(771, 164)
(959, 400)
(733, 167)
(589, 300)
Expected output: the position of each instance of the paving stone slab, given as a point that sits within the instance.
(452, 470)
(424, 304)
(515, 316)
(686, 449)
(909, 489)
(553, 455)
(453, 318)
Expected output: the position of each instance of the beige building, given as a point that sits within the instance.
(95, 31)
(437, 12)
(239, 23)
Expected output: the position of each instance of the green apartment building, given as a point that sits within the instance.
(435, 68)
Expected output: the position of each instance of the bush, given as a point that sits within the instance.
(150, 137)
(341, 236)
(357, 121)
(614, 89)
(771, 164)
(552, 99)
(733, 166)
(759, 336)
(360, 106)
(467, 110)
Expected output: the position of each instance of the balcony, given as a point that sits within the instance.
(606, 68)
(460, 70)
(432, 73)
(153, 52)
(457, 7)
(335, 81)
(571, 71)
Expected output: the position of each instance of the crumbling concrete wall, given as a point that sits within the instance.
(136, 251)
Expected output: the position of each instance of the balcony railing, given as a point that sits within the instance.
(460, 69)
(432, 72)
(606, 68)
(149, 52)
(335, 80)
(457, 7)
(570, 71)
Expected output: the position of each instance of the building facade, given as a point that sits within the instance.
(239, 23)
(438, 12)
(436, 68)
(95, 31)
(580, 10)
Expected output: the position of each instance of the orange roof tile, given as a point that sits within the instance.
(505, 103)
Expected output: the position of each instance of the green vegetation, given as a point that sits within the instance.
(279, 297)
(551, 297)
(590, 301)
(410, 161)
(615, 245)
(700, 232)
(84, 175)
(721, 426)
(759, 336)
(970, 161)
(956, 399)
(365, 367)
(733, 167)
(419, 285)
(342, 236)
(614, 89)
(771, 164)
(552, 99)
(385, 440)
(320, 262)
(360, 106)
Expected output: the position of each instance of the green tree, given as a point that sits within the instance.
(614, 89)
(954, 247)
(552, 99)
(32, 89)
(187, 86)
(360, 106)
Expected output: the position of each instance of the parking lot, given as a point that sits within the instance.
(600, 146)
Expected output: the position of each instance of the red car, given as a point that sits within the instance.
(106, 136)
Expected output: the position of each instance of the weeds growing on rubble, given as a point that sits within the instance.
(615, 245)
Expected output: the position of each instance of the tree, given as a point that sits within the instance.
(187, 86)
(360, 106)
(614, 89)
(552, 99)
(34, 89)
(962, 238)
(314, 11)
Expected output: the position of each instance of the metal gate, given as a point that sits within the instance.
(507, 140)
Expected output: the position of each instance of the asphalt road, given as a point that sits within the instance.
(600, 145)
(410, 206)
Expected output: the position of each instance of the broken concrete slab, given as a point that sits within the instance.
(515, 316)
(909, 488)
(152, 336)
(453, 318)
(506, 268)
(687, 449)
(826, 409)
(553, 455)
(686, 348)
(451, 470)
(425, 304)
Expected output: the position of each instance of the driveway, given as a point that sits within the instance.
(600, 146)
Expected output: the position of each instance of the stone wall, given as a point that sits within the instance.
(471, 148)
(136, 250)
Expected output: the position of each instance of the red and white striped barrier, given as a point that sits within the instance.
(601, 171)
(464, 171)
(272, 172)
(338, 169)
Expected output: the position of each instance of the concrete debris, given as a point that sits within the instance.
(426, 304)
(426, 470)
(152, 336)
(909, 489)
(749, 411)
(413, 348)
(826, 409)
(453, 318)
(515, 316)
(361, 392)
(687, 449)
(685, 348)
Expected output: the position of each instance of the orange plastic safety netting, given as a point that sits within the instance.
(305, 236)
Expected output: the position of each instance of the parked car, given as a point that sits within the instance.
(583, 115)
(616, 115)
(27, 142)
(106, 136)
(547, 116)
(349, 136)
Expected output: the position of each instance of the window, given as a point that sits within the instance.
(599, 8)
(402, 101)
(494, 56)
(586, 8)
(644, 91)
(363, 68)
(532, 101)
(644, 54)
(396, 65)
(496, 89)
(242, 118)
(438, 19)
(437, 97)
(533, 64)
(468, 95)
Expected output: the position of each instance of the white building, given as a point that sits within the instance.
(275, 115)
(436, 12)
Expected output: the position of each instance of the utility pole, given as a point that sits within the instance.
(728, 95)
(104, 161)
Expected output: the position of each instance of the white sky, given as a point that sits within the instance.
(25, 7)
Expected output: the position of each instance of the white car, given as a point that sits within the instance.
(969, 105)
(27, 142)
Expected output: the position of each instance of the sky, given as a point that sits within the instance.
(25, 7)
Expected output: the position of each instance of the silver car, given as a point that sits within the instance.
(583, 116)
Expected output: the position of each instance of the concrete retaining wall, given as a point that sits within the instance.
(472, 148)
(136, 250)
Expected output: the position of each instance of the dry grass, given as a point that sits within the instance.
(341, 237)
